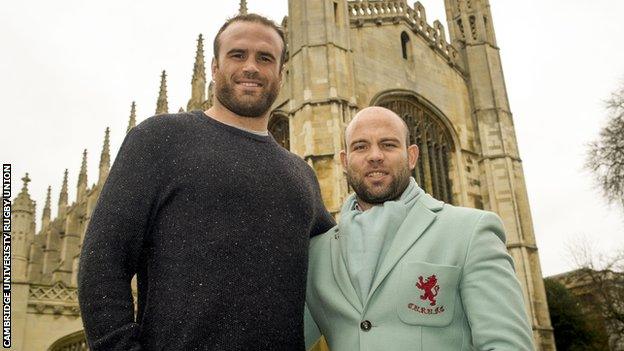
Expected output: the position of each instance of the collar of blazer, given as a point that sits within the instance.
(418, 220)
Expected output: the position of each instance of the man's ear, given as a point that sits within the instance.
(343, 160)
(213, 67)
(412, 156)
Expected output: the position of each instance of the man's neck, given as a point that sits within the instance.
(222, 114)
(362, 205)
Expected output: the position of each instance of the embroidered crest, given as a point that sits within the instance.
(430, 289)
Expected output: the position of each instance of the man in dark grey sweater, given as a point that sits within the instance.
(211, 214)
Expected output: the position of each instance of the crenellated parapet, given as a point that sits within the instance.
(392, 12)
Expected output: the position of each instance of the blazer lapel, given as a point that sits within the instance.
(414, 225)
(341, 275)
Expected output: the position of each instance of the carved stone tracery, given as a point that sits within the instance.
(431, 136)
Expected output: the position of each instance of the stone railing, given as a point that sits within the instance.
(375, 9)
(395, 11)
(55, 299)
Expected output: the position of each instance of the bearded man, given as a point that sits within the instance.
(211, 214)
(403, 271)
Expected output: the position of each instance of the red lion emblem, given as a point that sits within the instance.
(429, 287)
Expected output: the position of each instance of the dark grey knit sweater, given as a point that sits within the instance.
(215, 222)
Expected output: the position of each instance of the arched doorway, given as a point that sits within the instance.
(280, 129)
(73, 342)
(433, 138)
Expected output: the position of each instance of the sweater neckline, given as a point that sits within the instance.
(230, 129)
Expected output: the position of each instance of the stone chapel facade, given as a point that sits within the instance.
(343, 55)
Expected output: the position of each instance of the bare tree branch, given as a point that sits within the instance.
(605, 156)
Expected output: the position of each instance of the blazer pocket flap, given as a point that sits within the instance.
(426, 294)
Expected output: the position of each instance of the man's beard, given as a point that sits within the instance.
(392, 192)
(252, 108)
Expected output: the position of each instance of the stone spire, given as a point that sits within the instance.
(208, 104)
(45, 218)
(82, 178)
(62, 202)
(242, 8)
(132, 121)
(105, 158)
(198, 83)
(161, 104)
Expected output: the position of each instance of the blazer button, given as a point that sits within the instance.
(366, 325)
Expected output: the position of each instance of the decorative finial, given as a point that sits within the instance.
(106, 147)
(105, 157)
(82, 177)
(242, 9)
(198, 82)
(161, 104)
(48, 197)
(45, 216)
(26, 180)
(64, 186)
(83, 166)
(23, 200)
(62, 202)
(132, 121)
(199, 70)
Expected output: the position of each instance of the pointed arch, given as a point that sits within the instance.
(76, 341)
(432, 131)
(279, 127)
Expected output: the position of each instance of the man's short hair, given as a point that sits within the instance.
(407, 133)
(254, 18)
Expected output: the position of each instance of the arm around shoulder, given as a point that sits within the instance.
(491, 292)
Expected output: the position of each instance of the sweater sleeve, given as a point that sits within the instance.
(491, 292)
(323, 220)
(113, 243)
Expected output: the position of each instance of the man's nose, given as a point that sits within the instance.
(375, 154)
(250, 66)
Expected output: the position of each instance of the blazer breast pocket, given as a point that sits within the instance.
(426, 294)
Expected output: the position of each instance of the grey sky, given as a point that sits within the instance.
(70, 68)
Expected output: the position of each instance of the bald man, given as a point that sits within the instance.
(403, 271)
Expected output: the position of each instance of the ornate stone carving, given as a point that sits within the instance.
(379, 12)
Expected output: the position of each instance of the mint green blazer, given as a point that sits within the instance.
(446, 283)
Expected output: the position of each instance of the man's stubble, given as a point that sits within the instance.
(252, 108)
(393, 191)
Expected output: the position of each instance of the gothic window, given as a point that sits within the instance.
(280, 130)
(405, 45)
(434, 144)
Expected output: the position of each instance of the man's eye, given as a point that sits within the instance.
(389, 145)
(359, 147)
(265, 59)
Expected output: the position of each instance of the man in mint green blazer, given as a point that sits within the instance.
(403, 271)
